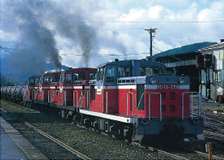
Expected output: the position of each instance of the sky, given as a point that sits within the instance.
(86, 33)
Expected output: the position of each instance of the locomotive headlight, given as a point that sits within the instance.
(153, 80)
(182, 80)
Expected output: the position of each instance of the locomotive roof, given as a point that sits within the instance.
(78, 69)
(126, 62)
(34, 76)
(54, 71)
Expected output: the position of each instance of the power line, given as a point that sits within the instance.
(6, 48)
(104, 55)
(140, 21)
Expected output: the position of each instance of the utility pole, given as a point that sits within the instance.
(152, 32)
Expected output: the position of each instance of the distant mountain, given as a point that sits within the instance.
(51, 67)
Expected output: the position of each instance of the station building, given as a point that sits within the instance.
(212, 77)
(182, 61)
(202, 62)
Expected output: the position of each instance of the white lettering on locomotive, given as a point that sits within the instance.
(98, 90)
(168, 87)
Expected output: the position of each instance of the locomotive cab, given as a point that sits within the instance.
(74, 87)
(32, 86)
(48, 81)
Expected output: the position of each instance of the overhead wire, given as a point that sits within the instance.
(139, 21)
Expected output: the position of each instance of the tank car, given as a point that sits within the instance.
(137, 98)
(19, 93)
(4, 91)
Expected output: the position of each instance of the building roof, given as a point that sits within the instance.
(185, 49)
(213, 47)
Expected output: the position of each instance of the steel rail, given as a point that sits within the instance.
(203, 154)
(167, 153)
(77, 153)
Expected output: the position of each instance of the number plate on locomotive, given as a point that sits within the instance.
(168, 87)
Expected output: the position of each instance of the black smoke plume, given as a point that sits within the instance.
(37, 45)
(40, 21)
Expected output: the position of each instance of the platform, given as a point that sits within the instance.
(14, 146)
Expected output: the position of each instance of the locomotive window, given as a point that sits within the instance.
(68, 78)
(53, 78)
(81, 77)
(46, 79)
(100, 74)
(62, 77)
(124, 72)
(157, 70)
(128, 71)
(77, 76)
(31, 81)
(91, 75)
(110, 73)
(37, 80)
(121, 72)
(148, 71)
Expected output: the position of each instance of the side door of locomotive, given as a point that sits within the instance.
(68, 89)
(110, 89)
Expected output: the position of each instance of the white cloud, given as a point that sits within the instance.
(7, 37)
(214, 12)
(143, 14)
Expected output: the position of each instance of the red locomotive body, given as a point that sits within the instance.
(32, 86)
(137, 96)
(129, 98)
(43, 93)
(74, 87)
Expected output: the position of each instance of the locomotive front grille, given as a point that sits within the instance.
(169, 104)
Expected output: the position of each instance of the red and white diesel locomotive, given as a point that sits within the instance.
(136, 98)
(129, 98)
(31, 89)
(47, 83)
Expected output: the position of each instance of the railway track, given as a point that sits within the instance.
(113, 148)
(85, 141)
(50, 146)
(214, 136)
(181, 151)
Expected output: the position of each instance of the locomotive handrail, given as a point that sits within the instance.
(191, 104)
(24, 93)
(48, 96)
(106, 102)
(35, 97)
(42, 95)
(53, 95)
(33, 94)
(131, 103)
(82, 97)
(75, 91)
(160, 107)
(64, 98)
